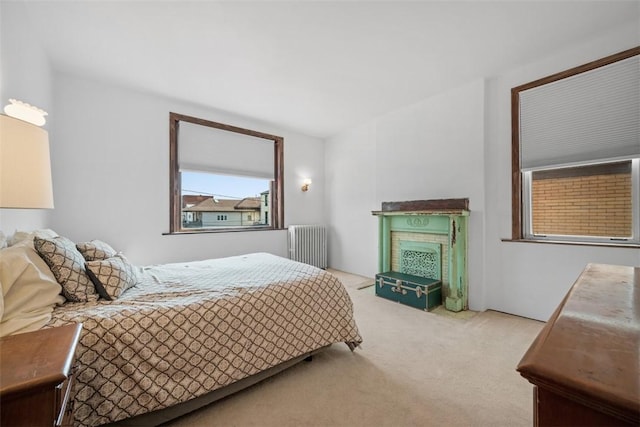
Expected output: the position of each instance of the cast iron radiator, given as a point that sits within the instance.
(308, 244)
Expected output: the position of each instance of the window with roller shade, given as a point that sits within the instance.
(223, 178)
(576, 154)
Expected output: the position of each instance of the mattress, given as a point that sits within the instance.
(189, 328)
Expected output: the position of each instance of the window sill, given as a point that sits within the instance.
(562, 242)
(222, 230)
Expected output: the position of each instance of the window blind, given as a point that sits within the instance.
(206, 149)
(590, 116)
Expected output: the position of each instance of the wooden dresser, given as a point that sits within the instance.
(35, 377)
(585, 363)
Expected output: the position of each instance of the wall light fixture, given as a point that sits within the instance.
(305, 184)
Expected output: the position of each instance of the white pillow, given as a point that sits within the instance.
(26, 237)
(1, 302)
(29, 290)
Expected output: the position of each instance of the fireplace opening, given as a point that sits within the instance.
(421, 259)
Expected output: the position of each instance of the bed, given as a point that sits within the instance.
(188, 333)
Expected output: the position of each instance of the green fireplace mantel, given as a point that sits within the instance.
(448, 222)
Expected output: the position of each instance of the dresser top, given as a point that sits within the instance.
(37, 359)
(590, 347)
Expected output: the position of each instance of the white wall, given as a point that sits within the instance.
(109, 149)
(110, 170)
(350, 160)
(458, 144)
(25, 75)
(525, 278)
(430, 150)
(110, 162)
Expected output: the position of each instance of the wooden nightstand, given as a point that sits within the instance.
(35, 377)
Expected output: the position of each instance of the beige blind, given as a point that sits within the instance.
(591, 116)
(206, 149)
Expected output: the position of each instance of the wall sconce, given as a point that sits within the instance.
(23, 111)
(25, 166)
(305, 184)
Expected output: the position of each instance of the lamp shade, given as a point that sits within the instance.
(25, 167)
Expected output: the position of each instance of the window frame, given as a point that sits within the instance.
(520, 189)
(175, 184)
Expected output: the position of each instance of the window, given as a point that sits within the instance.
(576, 154)
(223, 178)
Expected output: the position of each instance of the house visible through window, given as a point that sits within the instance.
(236, 202)
(222, 177)
(576, 154)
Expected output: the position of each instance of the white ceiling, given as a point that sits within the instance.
(316, 67)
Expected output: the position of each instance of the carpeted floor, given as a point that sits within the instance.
(413, 369)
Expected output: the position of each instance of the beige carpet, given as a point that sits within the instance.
(413, 369)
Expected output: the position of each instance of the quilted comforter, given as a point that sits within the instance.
(190, 328)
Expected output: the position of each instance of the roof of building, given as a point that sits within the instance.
(193, 199)
(248, 204)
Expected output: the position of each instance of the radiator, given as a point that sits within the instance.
(308, 244)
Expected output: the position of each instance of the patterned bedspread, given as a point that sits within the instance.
(190, 328)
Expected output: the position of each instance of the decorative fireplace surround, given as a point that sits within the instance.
(427, 238)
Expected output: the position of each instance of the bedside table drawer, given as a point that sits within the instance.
(64, 403)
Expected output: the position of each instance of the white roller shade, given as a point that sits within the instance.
(207, 149)
(591, 116)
